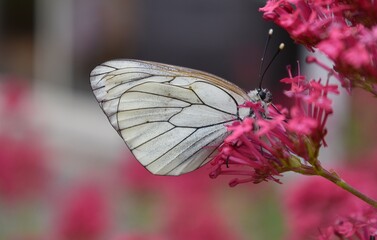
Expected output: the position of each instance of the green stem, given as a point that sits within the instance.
(341, 183)
(317, 169)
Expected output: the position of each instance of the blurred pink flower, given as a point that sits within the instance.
(185, 204)
(309, 22)
(305, 21)
(354, 53)
(345, 31)
(13, 94)
(359, 226)
(261, 148)
(199, 221)
(138, 236)
(23, 169)
(136, 178)
(84, 214)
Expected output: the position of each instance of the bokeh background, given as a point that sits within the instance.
(66, 174)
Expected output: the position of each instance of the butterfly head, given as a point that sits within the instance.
(260, 94)
(265, 95)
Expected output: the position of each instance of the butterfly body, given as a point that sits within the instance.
(171, 118)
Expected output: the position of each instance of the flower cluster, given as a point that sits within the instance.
(361, 226)
(346, 31)
(354, 53)
(275, 141)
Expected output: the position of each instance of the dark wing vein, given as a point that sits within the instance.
(215, 148)
(195, 143)
(171, 148)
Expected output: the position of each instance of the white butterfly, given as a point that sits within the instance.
(171, 118)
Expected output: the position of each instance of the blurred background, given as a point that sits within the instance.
(66, 174)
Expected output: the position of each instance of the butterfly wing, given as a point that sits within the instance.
(171, 118)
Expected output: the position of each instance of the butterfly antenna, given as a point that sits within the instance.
(281, 47)
(270, 32)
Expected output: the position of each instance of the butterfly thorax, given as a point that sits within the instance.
(263, 96)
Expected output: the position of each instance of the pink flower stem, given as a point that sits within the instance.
(304, 170)
(333, 177)
(341, 183)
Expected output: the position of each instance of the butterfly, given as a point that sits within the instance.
(173, 119)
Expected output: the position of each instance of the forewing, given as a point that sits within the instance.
(171, 118)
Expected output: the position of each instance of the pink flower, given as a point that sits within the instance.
(84, 215)
(309, 22)
(24, 171)
(354, 52)
(185, 205)
(137, 236)
(305, 21)
(261, 148)
(23, 168)
(301, 123)
(346, 31)
(208, 221)
(204, 222)
(361, 226)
